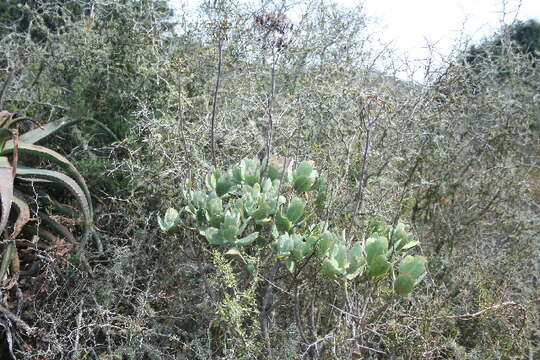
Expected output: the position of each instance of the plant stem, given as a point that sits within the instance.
(271, 110)
(214, 101)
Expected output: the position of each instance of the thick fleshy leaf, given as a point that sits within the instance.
(214, 236)
(245, 241)
(325, 243)
(5, 134)
(282, 223)
(7, 258)
(305, 168)
(6, 191)
(53, 156)
(375, 246)
(413, 265)
(5, 116)
(330, 268)
(35, 135)
(379, 266)
(24, 213)
(404, 284)
(30, 174)
(302, 184)
(295, 210)
(58, 228)
(233, 252)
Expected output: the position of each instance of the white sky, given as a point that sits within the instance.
(413, 23)
(409, 25)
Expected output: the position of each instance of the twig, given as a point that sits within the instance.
(5, 86)
(270, 111)
(214, 101)
(463, 316)
(17, 320)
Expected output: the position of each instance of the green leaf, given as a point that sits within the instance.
(274, 173)
(38, 134)
(413, 265)
(305, 169)
(262, 211)
(24, 213)
(247, 240)
(170, 220)
(325, 243)
(379, 266)
(223, 186)
(330, 268)
(214, 236)
(30, 174)
(282, 223)
(341, 256)
(403, 285)
(6, 191)
(233, 252)
(7, 258)
(56, 158)
(295, 210)
(375, 246)
(302, 184)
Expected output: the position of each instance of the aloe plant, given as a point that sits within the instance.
(21, 183)
(239, 204)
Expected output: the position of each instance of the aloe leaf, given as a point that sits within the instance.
(262, 211)
(58, 228)
(170, 220)
(6, 191)
(4, 117)
(35, 135)
(58, 159)
(24, 213)
(223, 186)
(273, 172)
(29, 174)
(5, 134)
(7, 257)
(341, 256)
(404, 284)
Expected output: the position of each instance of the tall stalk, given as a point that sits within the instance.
(220, 30)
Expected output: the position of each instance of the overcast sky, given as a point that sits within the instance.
(411, 24)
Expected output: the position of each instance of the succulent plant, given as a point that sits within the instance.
(21, 182)
(239, 204)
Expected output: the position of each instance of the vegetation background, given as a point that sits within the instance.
(455, 157)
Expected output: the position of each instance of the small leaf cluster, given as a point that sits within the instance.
(275, 207)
